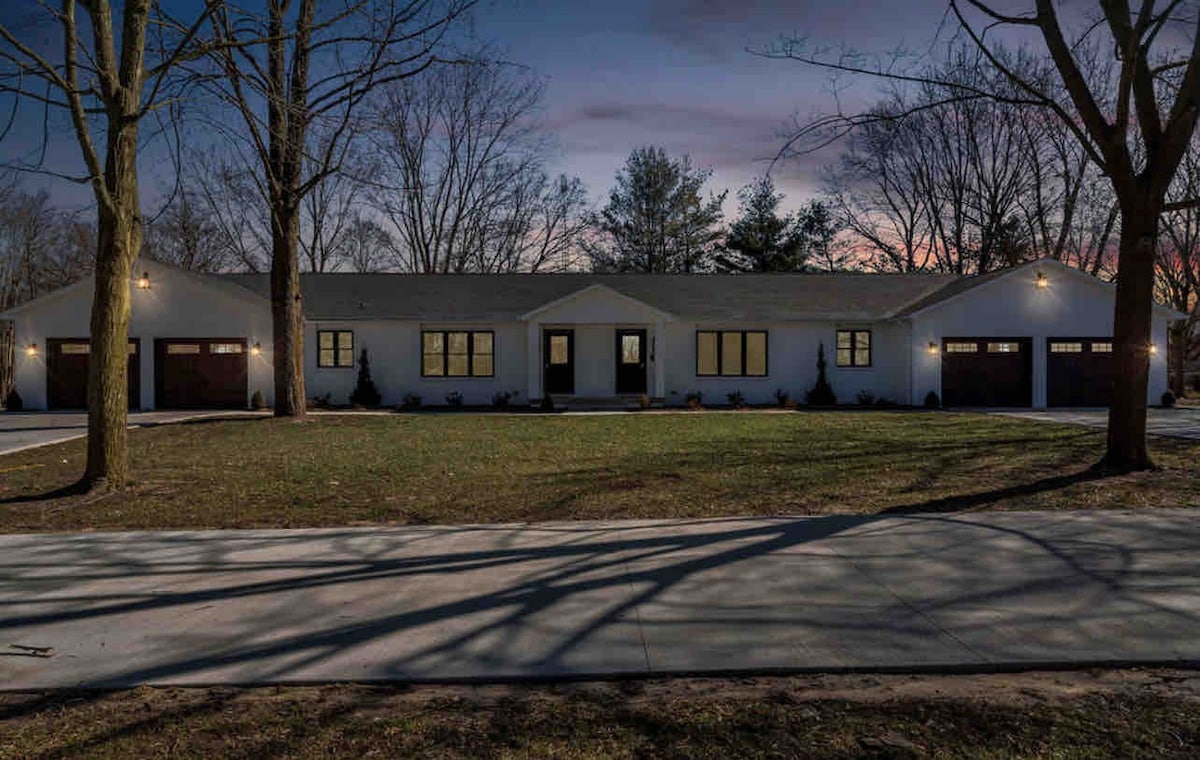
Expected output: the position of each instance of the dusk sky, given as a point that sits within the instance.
(676, 73)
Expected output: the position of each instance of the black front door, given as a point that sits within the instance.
(558, 355)
(631, 361)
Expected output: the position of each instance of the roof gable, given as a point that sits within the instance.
(607, 305)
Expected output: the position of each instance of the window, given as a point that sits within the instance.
(961, 348)
(854, 348)
(177, 349)
(226, 348)
(1004, 348)
(1066, 348)
(731, 353)
(75, 348)
(335, 348)
(458, 353)
(1102, 347)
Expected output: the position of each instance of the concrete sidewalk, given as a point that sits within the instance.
(963, 591)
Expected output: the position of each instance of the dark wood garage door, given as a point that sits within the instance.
(200, 373)
(987, 372)
(67, 373)
(1079, 371)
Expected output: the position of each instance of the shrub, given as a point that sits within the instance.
(782, 397)
(13, 401)
(866, 398)
(1196, 383)
(547, 404)
(410, 403)
(822, 393)
(736, 400)
(500, 399)
(644, 401)
(932, 401)
(454, 399)
(1168, 399)
(258, 401)
(322, 401)
(365, 393)
(694, 400)
(885, 403)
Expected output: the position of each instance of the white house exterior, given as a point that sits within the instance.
(1033, 336)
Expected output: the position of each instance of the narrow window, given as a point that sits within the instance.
(177, 349)
(1104, 347)
(854, 348)
(706, 354)
(756, 354)
(225, 348)
(1004, 348)
(335, 348)
(962, 348)
(1066, 348)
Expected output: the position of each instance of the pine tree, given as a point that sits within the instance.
(822, 393)
(365, 393)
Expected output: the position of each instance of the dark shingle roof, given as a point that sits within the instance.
(735, 298)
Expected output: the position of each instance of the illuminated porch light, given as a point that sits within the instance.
(31, 350)
(143, 282)
(933, 348)
(256, 349)
(1043, 282)
(1153, 349)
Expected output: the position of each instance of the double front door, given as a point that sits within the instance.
(558, 361)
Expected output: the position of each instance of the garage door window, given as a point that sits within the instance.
(961, 348)
(1102, 348)
(335, 348)
(177, 349)
(74, 348)
(226, 348)
(1003, 348)
(1066, 348)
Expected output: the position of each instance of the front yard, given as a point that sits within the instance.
(356, 470)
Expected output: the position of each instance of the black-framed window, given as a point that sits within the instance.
(458, 353)
(731, 353)
(854, 348)
(335, 348)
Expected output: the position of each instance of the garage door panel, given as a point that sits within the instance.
(67, 361)
(987, 372)
(201, 373)
(1079, 371)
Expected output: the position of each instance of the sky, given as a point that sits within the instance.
(678, 73)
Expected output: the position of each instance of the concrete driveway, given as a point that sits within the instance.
(1173, 423)
(974, 591)
(27, 430)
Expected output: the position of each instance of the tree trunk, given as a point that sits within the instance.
(8, 360)
(118, 245)
(287, 313)
(1127, 449)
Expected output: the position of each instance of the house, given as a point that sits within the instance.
(1036, 335)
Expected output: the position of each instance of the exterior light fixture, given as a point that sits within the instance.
(933, 348)
(256, 349)
(1153, 349)
(1043, 282)
(143, 282)
(31, 350)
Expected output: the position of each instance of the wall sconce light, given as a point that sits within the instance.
(1043, 282)
(143, 282)
(933, 348)
(1153, 349)
(256, 349)
(31, 350)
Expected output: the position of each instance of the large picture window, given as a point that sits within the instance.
(335, 348)
(854, 348)
(458, 353)
(731, 353)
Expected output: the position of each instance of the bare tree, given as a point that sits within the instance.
(366, 245)
(290, 69)
(1178, 267)
(41, 248)
(109, 71)
(1135, 126)
(186, 235)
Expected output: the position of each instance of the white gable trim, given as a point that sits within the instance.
(667, 316)
(1110, 288)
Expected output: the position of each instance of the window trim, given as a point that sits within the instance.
(446, 354)
(854, 332)
(721, 354)
(337, 349)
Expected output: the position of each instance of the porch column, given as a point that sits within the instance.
(533, 361)
(660, 363)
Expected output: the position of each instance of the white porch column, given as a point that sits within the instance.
(533, 361)
(660, 363)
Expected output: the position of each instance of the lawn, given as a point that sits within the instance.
(1127, 714)
(357, 470)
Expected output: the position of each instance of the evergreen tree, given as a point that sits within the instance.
(365, 393)
(761, 240)
(657, 219)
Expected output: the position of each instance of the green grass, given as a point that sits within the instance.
(1136, 715)
(351, 470)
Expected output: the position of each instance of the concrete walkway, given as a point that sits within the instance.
(1172, 423)
(971, 591)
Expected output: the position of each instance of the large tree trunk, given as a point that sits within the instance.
(1127, 449)
(287, 313)
(118, 246)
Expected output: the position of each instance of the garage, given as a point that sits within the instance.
(987, 372)
(200, 373)
(67, 373)
(1079, 371)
